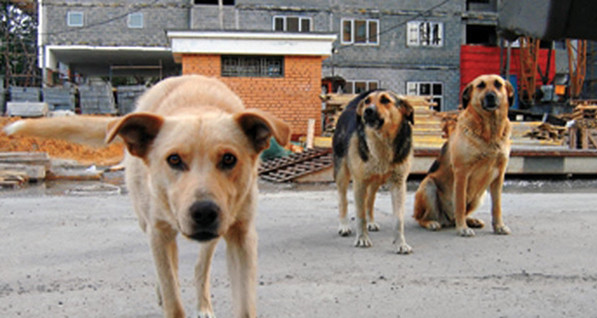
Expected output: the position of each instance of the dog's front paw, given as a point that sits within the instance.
(465, 232)
(433, 226)
(344, 230)
(501, 229)
(206, 314)
(403, 248)
(475, 223)
(363, 241)
(373, 227)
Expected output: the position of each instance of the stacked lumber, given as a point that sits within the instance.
(334, 105)
(583, 128)
(547, 131)
(17, 168)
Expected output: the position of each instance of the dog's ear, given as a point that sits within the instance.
(466, 95)
(138, 130)
(510, 91)
(260, 126)
(407, 109)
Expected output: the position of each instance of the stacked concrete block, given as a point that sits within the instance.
(59, 98)
(24, 94)
(127, 97)
(97, 98)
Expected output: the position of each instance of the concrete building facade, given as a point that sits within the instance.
(411, 47)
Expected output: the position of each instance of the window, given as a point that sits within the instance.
(481, 34)
(135, 20)
(424, 33)
(292, 24)
(252, 66)
(74, 19)
(360, 31)
(360, 86)
(435, 90)
(214, 2)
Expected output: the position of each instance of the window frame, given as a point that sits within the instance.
(415, 26)
(285, 23)
(353, 84)
(258, 61)
(416, 86)
(71, 14)
(353, 36)
(130, 17)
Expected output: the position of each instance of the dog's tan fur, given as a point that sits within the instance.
(473, 159)
(182, 139)
(384, 163)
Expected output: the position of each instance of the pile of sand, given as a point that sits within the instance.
(86, 155)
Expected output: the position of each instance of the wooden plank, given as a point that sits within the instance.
(33, 172)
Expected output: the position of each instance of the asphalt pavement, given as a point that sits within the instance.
(78, 252)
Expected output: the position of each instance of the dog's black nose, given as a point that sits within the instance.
(204, 213)
(369, 112)
(490, 101)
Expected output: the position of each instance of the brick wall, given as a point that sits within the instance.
(293, 98)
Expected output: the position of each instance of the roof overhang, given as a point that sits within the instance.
(249, 43)
(104, 57)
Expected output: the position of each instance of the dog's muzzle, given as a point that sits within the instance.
(205, 216)
(490, 101)
(371, 117)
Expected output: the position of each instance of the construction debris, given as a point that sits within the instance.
(17, 168)
(547, 131)
(583, 127)
(296, 165)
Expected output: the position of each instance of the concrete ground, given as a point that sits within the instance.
(66, 253)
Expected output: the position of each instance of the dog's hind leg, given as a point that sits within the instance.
(242, 268)
(202, 274)
(342, 182)
(162, 239)
(426, 210)
(398, 193)
(371, 193)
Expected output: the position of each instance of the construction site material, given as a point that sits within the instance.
(84, 155)
(27, 109)
(127, 96)
(59, 98)
(97, 98)
(17, 168)
(583, 128)
(296, 165)
(547, 131)
(24, 94)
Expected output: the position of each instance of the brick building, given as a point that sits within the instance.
(277, 73)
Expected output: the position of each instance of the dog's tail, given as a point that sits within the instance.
(80, 129)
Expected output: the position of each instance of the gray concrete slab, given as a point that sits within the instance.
(84, 256)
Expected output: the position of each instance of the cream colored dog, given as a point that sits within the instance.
(192, 168)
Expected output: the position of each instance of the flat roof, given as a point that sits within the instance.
(250, 43)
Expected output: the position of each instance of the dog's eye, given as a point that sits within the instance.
(385, 100)
(175, 162)
(481, 85)
(497, 84)
(368, 101)
(228, 161)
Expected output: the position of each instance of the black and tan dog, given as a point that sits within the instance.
(373, 145)
(472, 160)
(191, 168)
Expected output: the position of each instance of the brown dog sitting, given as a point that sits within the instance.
(472, 160)
(191, 168)
(373, 145)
